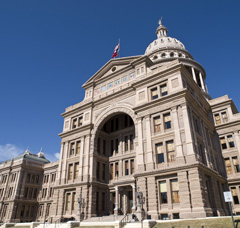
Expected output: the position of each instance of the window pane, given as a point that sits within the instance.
(163, 192)
(154, 93)
(157, 124)
(230, 141)
(163, 90)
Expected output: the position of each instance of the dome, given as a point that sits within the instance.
(163, 41)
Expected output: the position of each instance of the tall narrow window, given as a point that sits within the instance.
(70, 171)
(160, 153)
(217, 118)
(230, 141)
(112, 147)
(154, 93)
(68, 201)
(73, 200)
(116, 145)
(236, 164)
(175, 191)
(132, 166)
(72, 149)
(157, 124)
(74, 123)
(126, 143)
(126, 168)
(76, 170)
(170, 151)
(78, 147)
(167, 121)
(116, 169)
(223, 143)
(224, 117)
(80, 120)
(116, 124)
(103, 201)
(163, 90)
(163, 192)
(131, 142)
(235, 195)
(98, 170)
(99, 146)
(111, 171)
(103, 171)
(97, 199)
(104, 147)
(228, 165)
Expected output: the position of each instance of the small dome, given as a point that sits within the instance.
(41, 154)
(164, 43)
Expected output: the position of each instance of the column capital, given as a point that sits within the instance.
(116, 188)
(133, 186)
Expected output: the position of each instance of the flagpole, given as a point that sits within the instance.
(119, 48)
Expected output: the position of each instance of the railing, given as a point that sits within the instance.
(123, 221)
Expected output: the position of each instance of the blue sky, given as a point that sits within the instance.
(48, 49)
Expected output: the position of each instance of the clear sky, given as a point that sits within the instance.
(49, 48)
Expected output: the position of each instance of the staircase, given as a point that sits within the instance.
(109, 218)
(133, 225)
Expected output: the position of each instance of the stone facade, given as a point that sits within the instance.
(147, 123)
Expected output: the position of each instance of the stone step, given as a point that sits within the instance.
(133, 225)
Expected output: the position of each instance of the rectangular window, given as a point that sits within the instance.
(103, 201)
(235, 195)
(175, 191)
(26, 192)
(116, 169)
(112, 147)
(103, 171)
(160, 153)
(167, 121)
(154, 93)
(76, 169)
(33, 178)
(70, 171)
(217, 118)
(72, 149)
(99, 146)
(28, 178)
(104, 147)
(68, 201)
(98, 170)
(223, 143)
(163, 192)
(80, 120)
(74, 125)
(97, 199)
(170, 151)
(126, 143)
(116, 124)
(131, 142)
(73, 200)
(224, 117)
(236, 164)
(126, 168)
(157, 124)
(78, 147)
(228, 165)
(37, 179)
(132, 166)
(111, 171)
(163, 90)
(116, 145)
(230, 141)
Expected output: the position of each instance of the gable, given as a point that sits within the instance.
(111, 67)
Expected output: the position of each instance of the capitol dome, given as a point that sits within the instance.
(164, 46)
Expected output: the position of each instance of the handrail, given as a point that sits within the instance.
(123, 221)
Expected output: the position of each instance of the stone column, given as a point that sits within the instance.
(64, 164)
(81, 159)
(59, 172)
(237, 139)
(134, 197)
(194, 75)
(116, 200)
(139, 149)
(188, 134)
(178, 141)
(86, 159)
(202, 82)
(150, 159)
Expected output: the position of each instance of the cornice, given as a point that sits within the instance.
(87, 127)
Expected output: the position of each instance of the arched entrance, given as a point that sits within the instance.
(114, 165)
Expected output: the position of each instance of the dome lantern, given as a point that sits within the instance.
(161, 30)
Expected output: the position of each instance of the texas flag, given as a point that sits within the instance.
(115, 52)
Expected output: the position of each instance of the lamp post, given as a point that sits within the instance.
(140, 202)
(81, 205)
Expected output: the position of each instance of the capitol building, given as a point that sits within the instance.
(147, 123)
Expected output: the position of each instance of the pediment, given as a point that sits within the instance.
(111, 67)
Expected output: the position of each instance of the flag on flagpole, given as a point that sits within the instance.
(116, 50)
